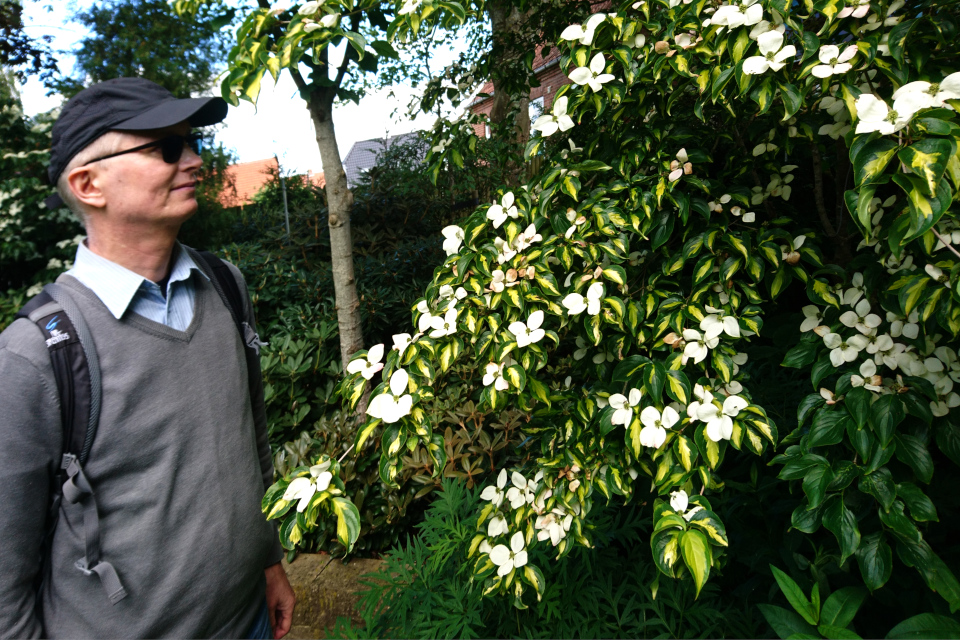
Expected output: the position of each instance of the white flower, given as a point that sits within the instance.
(453, 239)
(309, 8)
(704, 397)
(851, 295)
(508, 559)
(680, 166)
(500, 212)
(811, 318)
(773, 57)
(856, 8)
(679, 501)
(655, 425)
(844, 351)
(763, 27)
(697, 346)
(593, 76)
(369, 365)
(623, 406)
(529, 332)
(446, 325)
(719, 420)
(400, 343)
(861, 318)
(585, 33)
(558, 121)
(873, 114)
(936, 273)
(394, 404)
(553, 526)
(409, 6)
(834, 62)
(527, 238)
(717, 322)
(735, 15)
(304, 488)
(868, 370)
(499, 281)
(330, 20)
(497, 526)
(575, 303)
(504, 251)
(581, 351)
(494, 375)
(495, 494)
(522, 491)
(932, 94)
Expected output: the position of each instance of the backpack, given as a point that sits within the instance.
(76, 369)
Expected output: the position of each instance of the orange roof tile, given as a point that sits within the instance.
(250, 177)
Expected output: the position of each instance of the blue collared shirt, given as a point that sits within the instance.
(121, 289)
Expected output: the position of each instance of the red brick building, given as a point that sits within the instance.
(547, 70)
(249, 177)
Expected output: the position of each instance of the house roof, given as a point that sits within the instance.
(250, 177)
(363, 155)
(540, 63)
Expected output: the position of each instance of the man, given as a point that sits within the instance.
(179, 462)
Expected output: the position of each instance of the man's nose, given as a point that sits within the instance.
(189, 160)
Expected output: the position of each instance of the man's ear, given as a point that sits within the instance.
(84, 182)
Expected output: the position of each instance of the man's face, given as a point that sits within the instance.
(140, 187)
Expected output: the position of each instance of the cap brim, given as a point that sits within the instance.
(199, 112)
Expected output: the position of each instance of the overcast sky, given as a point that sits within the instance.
(279, 124)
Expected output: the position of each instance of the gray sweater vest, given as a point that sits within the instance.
(176, 471)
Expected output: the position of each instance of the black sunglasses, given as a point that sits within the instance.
(171, 147)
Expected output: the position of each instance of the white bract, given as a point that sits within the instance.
(873, 114)
(735, 15)
(522, 492)
(509, 559)
(409, 6)
(548, 124)
(861, 318)
(623, 406)
(868, 377)
(553, 526)
(834, 62)
(527, 237)
(493, 375)
(655, 425)
(309, 8)
(811, 318)
(453, 238)
(717, 322)
(400, 343)
(505, 252)
(576, 303)
(304, 488)
(679, 501)
(495, 494)
(395, 403)
(844, 350)
(497, 526)
(445, 325)
(932, 94)
(719, 420)
(856, 9)
(772, 55)
(529, 332)
(584, 34)
(592, 76)
(500, 212)
(854, 293)
(698, 346)
(369, 365)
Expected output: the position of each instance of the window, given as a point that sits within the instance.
(535, 109)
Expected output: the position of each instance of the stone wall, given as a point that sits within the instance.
(326, 589)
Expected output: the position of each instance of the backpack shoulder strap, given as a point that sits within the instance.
(226, 285)
(76, 368)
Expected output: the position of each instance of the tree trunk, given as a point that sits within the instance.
(511, 93)
(339, 204)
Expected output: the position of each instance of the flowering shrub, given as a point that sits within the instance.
(718, 155)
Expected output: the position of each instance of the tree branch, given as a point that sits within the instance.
(945, 242)
(818, 191)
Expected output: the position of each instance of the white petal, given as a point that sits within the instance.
(516, 542)
(398, 382)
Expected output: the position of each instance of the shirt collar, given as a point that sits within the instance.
(116, 286)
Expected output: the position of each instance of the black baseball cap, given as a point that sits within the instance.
(122, 104)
